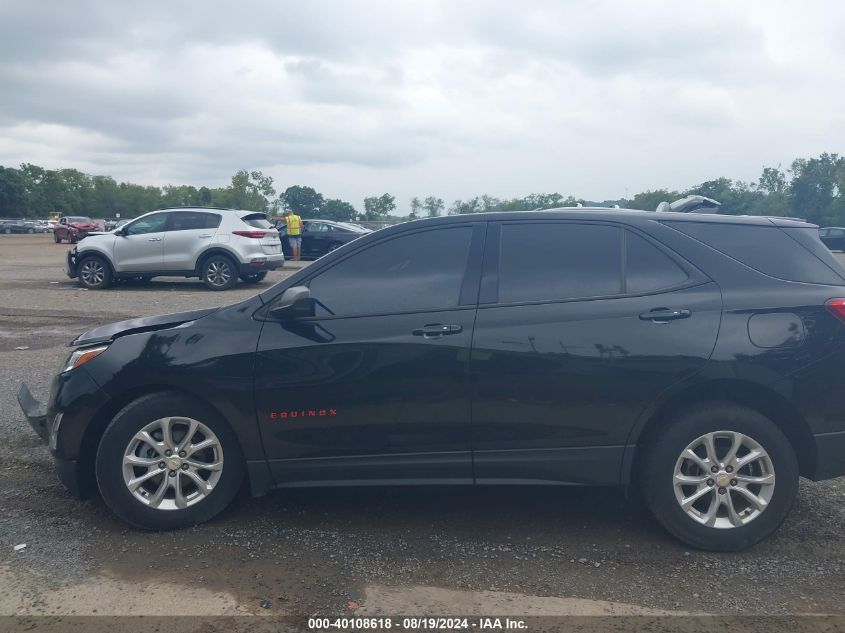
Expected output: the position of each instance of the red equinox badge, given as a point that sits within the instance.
(303, 413)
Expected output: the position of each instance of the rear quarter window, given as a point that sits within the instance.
(257, 220)
(792, 254)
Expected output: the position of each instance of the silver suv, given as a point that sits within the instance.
(217, 245)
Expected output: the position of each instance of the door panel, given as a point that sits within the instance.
(369, 390)
(139, 252)
(141, 248)
(376, 386)
(188, 234)
(558, 385)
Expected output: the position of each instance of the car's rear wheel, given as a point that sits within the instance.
(254, 278)
(167, 461)
(720, 477)
(30, 231)
(7, 231)
(219, 272)
(95, 273)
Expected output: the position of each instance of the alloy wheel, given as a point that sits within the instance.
(92, 272)
(172, 463)
(724, 479)
(218, 273)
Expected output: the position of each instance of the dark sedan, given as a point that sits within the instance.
(833, 237)
(18, 226)
(323, 236)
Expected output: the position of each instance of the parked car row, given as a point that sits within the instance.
(24, 226)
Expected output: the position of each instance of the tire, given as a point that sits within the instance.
(30, 231)
(56, 238)
(7, 231)
(254, 278)
(95, 273)
(141, 508)
(219, 272)
(663, 463)
(71, 238)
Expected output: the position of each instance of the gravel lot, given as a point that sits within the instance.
(391, 550)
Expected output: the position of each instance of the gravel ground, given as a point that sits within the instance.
(313, 551)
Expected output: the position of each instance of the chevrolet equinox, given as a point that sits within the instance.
(698, 358)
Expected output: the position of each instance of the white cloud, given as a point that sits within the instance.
(446, 98)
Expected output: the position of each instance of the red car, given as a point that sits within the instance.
(73, 228)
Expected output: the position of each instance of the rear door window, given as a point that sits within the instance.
(189, 220)
(542, 261)
(647, 268)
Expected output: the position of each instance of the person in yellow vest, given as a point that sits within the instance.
(293, 223)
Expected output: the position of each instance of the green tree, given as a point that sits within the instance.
(772, 180)
(251, 191)
(416, 207)
(303, 201)
(12, 193)
(433, 206)
(338, 210)
(378, 208)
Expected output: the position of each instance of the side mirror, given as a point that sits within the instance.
(295, 303)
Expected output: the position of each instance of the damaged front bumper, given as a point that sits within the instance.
(35, 413)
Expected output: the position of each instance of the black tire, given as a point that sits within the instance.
(95, 273)
(254, 278)
(72, 238)
(56, 238)
(664, 453)
(113, 445)
(219, 272)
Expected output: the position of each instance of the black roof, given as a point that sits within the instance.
(621, 215)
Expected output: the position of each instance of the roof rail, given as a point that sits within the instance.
(690, 204)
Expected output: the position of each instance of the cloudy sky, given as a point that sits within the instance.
(452, 98)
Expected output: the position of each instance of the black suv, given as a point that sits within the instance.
(696, 357)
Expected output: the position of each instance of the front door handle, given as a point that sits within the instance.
(154, 239)
(436, 330)
(664, 315)
(206, 235)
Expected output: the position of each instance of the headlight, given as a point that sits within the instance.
(82, 356)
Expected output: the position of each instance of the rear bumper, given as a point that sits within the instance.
(830, 456)
(262, 263)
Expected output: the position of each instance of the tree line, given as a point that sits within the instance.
(810, 188)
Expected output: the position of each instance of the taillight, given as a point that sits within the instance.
(836, 307)
(256, 235)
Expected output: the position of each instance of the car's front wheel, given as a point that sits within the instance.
(95, 273)
(720, 477)
(219, 272)
(254, 278)
(167, 461)
(56, 238)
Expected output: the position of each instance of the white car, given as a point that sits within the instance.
(217, 245)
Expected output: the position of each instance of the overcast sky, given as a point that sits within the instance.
(452, 98)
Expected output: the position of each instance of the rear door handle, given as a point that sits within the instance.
(664, 315)
(154, 239)
(436, 330)
(205, 235)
